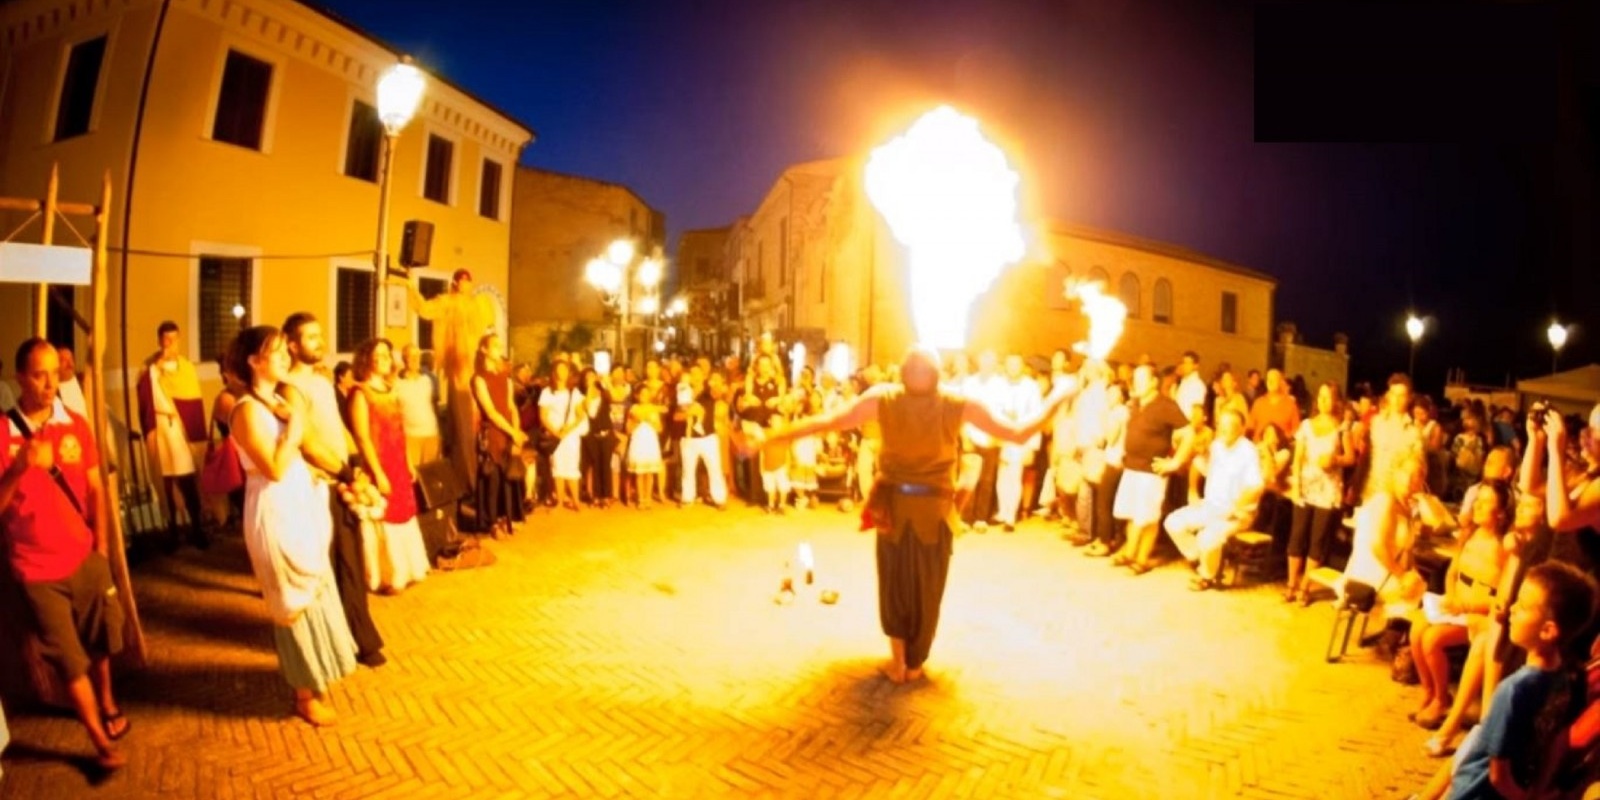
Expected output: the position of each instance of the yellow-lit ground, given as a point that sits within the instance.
(628, 653)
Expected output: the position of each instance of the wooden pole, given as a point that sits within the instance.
(41, 296)
(110, 512)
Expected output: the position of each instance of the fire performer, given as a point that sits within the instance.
(912, 506)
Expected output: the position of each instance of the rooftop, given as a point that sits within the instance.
(1156, 247)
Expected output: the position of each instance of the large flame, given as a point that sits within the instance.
(950, 197)
(1105, 314)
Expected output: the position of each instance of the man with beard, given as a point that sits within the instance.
(327, 448)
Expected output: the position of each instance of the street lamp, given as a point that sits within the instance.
(1414, 328)
(615, 274)
(399, 92)
(1558, 339)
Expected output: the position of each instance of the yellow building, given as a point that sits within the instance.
(243, 149)
(561, 222)
(816, 264)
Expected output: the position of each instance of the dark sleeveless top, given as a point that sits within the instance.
(495, 441)
(762, 391)
(921, 445)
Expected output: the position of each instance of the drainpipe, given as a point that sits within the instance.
(127, 225)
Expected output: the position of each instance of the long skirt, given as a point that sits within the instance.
(316, 650)
(394, 553)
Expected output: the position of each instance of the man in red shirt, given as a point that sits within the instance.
(1276, 407)
(49, 493)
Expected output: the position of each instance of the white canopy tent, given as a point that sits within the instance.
(1574, 391)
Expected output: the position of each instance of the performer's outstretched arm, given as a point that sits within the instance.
(978, 416)
(864, 409)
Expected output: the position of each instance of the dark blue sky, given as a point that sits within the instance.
(1133, 116)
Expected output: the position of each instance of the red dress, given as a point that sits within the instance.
(388, 431)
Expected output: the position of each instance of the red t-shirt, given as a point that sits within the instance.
(47, 536)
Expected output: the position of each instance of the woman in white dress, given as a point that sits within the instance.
(287, 529)
(562, 411)
(645, 420)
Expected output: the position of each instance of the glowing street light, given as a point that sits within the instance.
(603, 275)
(620, 252)
(238, 311)
(1414, 329)
(399, 93)
(678, 307)
(1557, 334)
(650, 273)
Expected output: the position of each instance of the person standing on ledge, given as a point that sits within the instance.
(913, 499)
(460, 319)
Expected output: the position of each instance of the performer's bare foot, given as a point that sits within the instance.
(895, 671)
(914, 674)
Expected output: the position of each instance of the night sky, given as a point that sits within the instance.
(1137, 117)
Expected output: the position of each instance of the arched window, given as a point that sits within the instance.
(1128, 288)
(1099, 275)
(1161, 304)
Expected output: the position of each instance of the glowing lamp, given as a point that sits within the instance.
(399, 93)
(620, 252)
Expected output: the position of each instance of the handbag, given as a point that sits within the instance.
(222, 472)
(548, 442)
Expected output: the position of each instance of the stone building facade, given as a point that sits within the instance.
(559, 223)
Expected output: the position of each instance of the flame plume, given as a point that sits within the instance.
(950, 197)
(1105, 314)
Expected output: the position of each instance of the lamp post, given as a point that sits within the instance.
(1414, 328)
(399, 92)
(1557, 334)
(614, 274)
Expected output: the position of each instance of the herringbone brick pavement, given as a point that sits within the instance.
(640, 654)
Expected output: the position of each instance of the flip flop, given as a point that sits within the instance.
(108, 720)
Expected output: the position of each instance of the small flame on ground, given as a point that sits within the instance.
(950, 197)
(1105, 314)
(806, 559)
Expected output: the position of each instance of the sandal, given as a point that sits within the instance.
(1201, 584)
(1139, 569)
(109, 721)
(1121, 560)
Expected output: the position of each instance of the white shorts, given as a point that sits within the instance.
(1140, 497)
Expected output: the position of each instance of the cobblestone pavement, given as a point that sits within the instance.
(640, 654)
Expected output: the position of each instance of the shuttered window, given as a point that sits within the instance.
(353, 309)
(224, 302)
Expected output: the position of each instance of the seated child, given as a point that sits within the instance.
(1502, 757)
